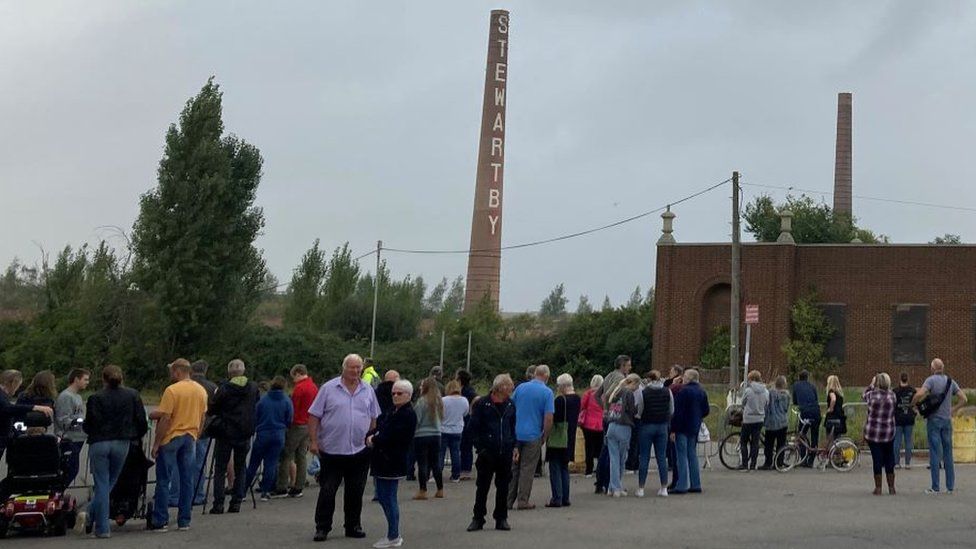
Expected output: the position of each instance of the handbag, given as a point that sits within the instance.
(928, 405)
(559, 436)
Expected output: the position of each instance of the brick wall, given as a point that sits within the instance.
(869, 279)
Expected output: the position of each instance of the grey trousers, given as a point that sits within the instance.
(295, 451)
(520, 487)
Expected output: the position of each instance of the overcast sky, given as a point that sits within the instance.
(368, 121)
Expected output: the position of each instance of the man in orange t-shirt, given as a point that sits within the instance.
(179, 420)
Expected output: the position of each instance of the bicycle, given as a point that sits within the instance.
(842, 454)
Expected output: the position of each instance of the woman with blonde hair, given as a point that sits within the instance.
(455, 410)
(620, 415)
(561, 446)
(591, 421)
(879, 429)
(835, 422)
(427, 439)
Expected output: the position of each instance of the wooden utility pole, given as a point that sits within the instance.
(736, 288)
(376, 299)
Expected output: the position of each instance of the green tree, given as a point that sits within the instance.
(584, 307)
(947, 238)
(607, 306)
(813, 222)
(452, 305)
(193, 241)
(435, 299)
(715, 353)
(636, 298)
(554, 306)
(811, 330)
(305, 289)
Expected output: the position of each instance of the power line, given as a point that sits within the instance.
(864, 197)
(565, 236)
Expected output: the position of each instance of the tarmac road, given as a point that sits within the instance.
(803, 508)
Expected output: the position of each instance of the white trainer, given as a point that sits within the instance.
(639, 493)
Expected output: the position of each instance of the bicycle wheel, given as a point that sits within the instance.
(787, 458)
(843, 455)
(729, 452)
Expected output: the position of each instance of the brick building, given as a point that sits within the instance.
(894, 307)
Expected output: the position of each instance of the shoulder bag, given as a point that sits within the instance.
(928, 405)
(559, 436)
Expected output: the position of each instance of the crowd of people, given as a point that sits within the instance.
(360, 424)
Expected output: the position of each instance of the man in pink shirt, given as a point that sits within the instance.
(344, 410)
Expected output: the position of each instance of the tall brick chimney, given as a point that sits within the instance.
(843, 156)
(484, 254)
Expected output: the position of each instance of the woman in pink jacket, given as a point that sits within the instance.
(591, 421)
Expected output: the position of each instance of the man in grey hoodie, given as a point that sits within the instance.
(754, 400)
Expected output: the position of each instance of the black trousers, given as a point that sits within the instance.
(222, 455)
(813, 431)
(336, 469)
(428, 449)
(672, 454)
(499, 467)
(749, 443)
(594, 443)
(883, 456)
(775, 440)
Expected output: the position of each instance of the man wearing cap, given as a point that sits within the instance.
(179, 419)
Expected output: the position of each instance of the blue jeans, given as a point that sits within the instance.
(106, 459)
(266, 449)
(940, 451)
(199, 473)
(903, 436)
(618, 442)
(686, 450)
(453, 443)
(559, 482)
(655, 434)
(386, 493)
(174, 484)
(181, 451)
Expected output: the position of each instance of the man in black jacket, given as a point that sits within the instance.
(231, 427)
(199, 374)
(492, 427)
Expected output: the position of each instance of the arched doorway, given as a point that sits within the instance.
(715, 306)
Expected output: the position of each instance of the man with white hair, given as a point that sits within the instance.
(492, 427)
(344, 410)
(232, 426)
(534, 407)
(690, 408)
(940, 389)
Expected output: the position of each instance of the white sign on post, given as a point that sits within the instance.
(751, 317)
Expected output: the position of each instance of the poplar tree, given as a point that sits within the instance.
(193, 241)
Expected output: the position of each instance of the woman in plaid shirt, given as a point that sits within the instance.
(879, 429)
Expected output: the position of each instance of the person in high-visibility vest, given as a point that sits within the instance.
(370, 375)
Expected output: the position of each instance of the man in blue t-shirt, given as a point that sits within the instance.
(939, 424)
(534, 407)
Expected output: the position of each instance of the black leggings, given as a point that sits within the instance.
(749, 443)
(775, 440)
(594, 443)
(883, 455)
(428, 449)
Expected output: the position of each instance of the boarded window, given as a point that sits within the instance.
(908, 328)
(836, 346)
